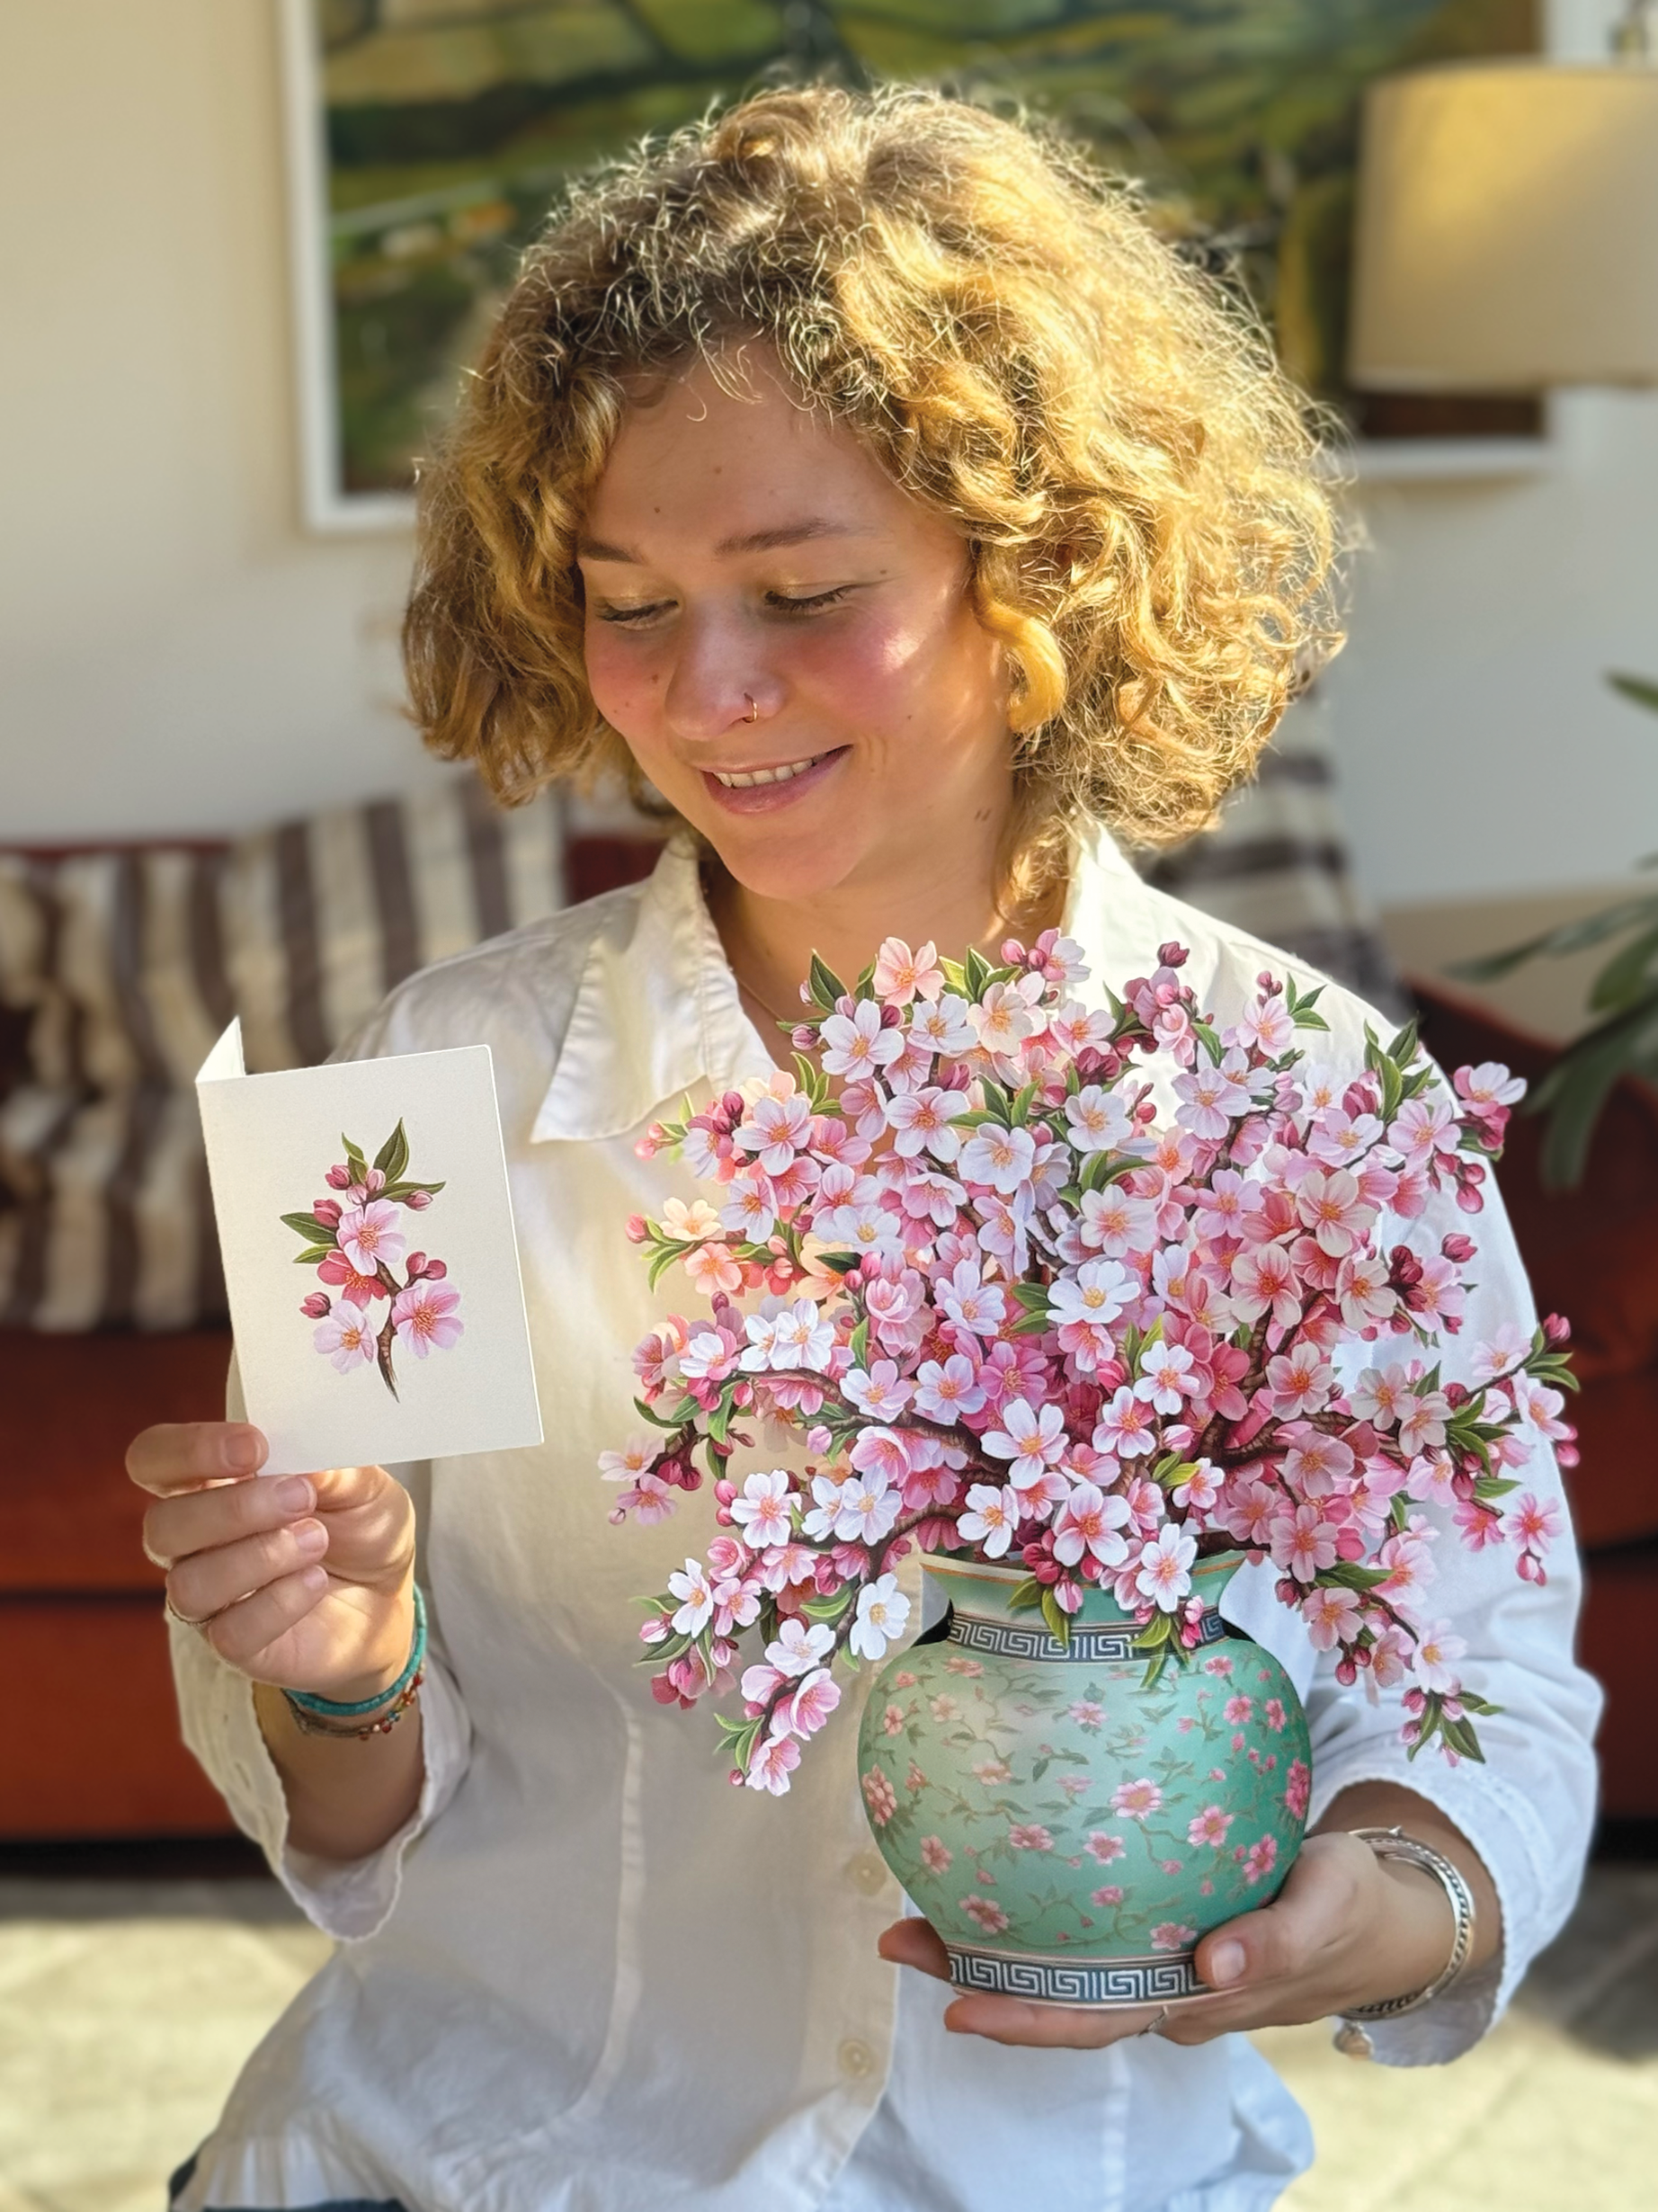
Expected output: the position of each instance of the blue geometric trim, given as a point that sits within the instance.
(1103, 1984)
(1003, 1640)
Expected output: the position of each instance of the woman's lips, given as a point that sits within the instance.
(773, 797)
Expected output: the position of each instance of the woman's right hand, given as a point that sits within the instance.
(302, 1581)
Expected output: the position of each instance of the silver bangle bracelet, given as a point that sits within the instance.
(1394, 1843)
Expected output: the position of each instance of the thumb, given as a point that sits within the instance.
(1279, 1939)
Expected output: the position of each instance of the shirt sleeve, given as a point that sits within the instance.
(346, 1899)
(1528, 1809)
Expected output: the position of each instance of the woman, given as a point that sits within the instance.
(870, 479)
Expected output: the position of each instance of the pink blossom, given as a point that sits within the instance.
(1299, 1787)
(1109, 1894)
(1033, 1440)
(361, 1290)
(371, 1235)
(992, 1517)
(1260, 1859)
(1106, 1848)
(999, 1158)
(1091, 1521)
(1127, 1427)
(424, 1316)
(901, 975)
(1172, 1935)
(924, 1120)
(935, 1854)
(1137, 1800)
(1209, 1826)
(1331, 1614)
(1164, 1568)
(1329, 1202)
(985, 1912)
(763, 1511)
(811, 1702)
(1030, 1837)
(879, 1795)
(771, 1763)
(347, 1336)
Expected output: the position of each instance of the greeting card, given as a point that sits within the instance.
(367, 1233)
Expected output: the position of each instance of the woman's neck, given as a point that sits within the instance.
(770, 942)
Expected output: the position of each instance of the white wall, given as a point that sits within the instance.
(175, 654)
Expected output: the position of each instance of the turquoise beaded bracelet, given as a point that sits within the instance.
(328, 1709)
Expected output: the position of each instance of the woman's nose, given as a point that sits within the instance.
(716, 674)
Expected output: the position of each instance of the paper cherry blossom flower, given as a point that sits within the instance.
(424, 1316)
(347, 1336)
(371, 1235)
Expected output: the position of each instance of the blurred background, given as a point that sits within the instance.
(249, 245)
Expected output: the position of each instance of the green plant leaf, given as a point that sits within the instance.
(393, 1156)
(1592, 929)
(1644, 693)
(1058, 1620)
(1575, 1088)
(1025, 1596)
(977, 971)
(1626, 974)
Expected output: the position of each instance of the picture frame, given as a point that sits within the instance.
(419, 163)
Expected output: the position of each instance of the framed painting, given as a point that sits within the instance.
(427, 138)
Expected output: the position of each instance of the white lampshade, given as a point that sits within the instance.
(1507, 231)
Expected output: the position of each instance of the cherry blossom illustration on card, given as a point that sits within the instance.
(365, 1223)
(377, 1294)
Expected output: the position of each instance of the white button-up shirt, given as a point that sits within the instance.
(590, 1974)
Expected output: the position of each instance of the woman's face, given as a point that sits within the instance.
(762, 599)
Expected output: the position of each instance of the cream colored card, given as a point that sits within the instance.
(367, 1233)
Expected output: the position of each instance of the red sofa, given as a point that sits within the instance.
(93, 1745)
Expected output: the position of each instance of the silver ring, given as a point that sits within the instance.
(184, 1620)
(1154, 2027)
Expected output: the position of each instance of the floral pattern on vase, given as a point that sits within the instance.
(1069, 1830)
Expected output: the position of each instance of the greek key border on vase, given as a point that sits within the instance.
(1004, 1640)
(1103, 1984)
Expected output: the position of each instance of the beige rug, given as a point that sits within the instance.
(126, 2010)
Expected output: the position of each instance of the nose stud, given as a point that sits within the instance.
(754, 707)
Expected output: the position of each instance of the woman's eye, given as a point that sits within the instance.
(631, 614)
(783, 602)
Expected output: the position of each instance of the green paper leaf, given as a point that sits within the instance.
(316, 1256)
(393, 1156)
(1058, 1620)
(308, 1226)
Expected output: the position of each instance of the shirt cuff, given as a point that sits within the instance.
(1523, 1863)
(347, 1899)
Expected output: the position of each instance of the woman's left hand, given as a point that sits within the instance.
(1346, 1929)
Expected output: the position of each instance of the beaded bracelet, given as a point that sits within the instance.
(307, 1722)
(329, 1708)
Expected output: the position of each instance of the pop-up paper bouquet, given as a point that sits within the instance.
(1089, 1351)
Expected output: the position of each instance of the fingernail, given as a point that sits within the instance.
(311, 1538)
(241, 1450)
(315, 1580)
(1227, 1963)
(294, 1494)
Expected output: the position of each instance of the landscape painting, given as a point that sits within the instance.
(430, 137)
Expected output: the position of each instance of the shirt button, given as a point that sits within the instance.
(857, 2060)
(869, 1873)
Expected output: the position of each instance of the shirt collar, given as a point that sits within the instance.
(657, 1010)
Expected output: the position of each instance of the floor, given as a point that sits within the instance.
(126, 2008)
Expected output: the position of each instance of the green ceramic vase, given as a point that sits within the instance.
(1070, 1831)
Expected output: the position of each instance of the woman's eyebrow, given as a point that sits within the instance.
(752, 541)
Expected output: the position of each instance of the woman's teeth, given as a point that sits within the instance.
(767, 775)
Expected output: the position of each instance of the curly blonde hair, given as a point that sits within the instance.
(1150, 525)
